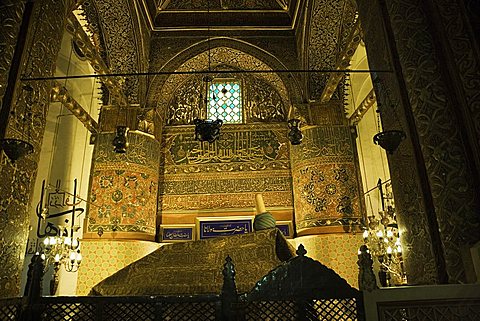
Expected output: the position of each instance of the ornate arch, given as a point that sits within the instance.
(223, 51)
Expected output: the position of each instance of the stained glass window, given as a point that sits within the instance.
(225, 102)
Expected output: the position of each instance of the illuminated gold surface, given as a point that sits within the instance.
(196, 267)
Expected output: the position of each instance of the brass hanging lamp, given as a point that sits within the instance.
(16, 148)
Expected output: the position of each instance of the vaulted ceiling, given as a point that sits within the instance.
(148, 35)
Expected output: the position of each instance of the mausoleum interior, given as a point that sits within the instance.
(135, 126)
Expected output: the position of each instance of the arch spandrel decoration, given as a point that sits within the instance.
(223, 51)
(219, 56)
(262, 102)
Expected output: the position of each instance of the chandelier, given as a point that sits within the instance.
(382, 238)
(58, 250)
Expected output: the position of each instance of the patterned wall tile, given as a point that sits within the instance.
(336, 251)
(103, 258)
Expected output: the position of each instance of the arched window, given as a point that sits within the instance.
(225, 101)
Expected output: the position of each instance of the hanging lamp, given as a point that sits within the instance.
(16, 148)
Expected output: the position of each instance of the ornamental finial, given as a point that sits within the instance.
(301, 250)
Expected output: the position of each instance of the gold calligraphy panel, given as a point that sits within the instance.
(247, 159)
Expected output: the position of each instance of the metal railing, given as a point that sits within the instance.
(302, 302)
(452, 302)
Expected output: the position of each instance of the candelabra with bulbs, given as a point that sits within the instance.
(382, 238)
(64, 250)
(61, 250)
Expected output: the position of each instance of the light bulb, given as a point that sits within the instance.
(72, 256)
(75, 243)
(397, 242)
(399, 248)
(365, 234)
(380, 234)
(46, 242)
(389, 233)
(389, 250)
(68, 241)
(57, 257)
(43, 256)
(53, 240)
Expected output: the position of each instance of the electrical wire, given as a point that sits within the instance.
(193, 72)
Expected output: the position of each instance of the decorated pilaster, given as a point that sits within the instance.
(43, 34)
(435, 171)
(325, 181)
(123, 191)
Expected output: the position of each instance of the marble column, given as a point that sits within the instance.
(43, 34)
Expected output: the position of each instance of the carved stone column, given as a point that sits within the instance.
(433, 172)
(45, 31)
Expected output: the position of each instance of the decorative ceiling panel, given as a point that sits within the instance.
(222, 13)
(224, 5)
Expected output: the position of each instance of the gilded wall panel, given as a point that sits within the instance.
(117, 24)
(214, 202)
(418, 249)
(123, 195)
(245, 160)
(11, 13)
(98, 262)
(223, 4)
(142, 150)
(330, 143)
(451, 180)
(326, 39)
(325, 182)
(435, 202)
(329, 113)
(336, 251)
(17, 181)
(466, 55)
(218, 184)
(261, 101)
